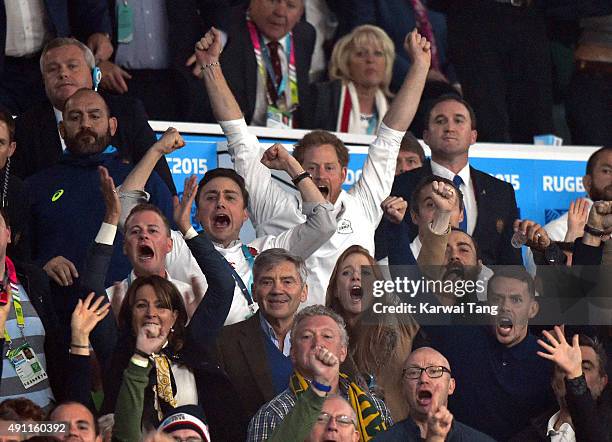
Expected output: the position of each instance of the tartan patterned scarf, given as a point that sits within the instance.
(369, 420)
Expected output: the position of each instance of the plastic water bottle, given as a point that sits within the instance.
(518, 240)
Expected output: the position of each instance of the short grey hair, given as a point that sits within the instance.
(353, 414)
(319, 310)
(67, 41)
(273, 257)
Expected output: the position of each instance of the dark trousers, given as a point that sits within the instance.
(589, 108)
(21, 84)
(502, 59)
(168, 94)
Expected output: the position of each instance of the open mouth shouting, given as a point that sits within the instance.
(504, 326)
(324, 190)
(221, 221)
(454, 270)
(145, 253)
(424, 397)
(356, 293)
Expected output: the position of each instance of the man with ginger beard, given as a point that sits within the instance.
(66, 198)
(427, 383)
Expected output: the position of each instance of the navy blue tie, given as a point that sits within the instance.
(458, 181)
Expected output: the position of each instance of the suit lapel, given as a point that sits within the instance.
(49, 132)
(482, 199)
(253, 347)
(250, 70)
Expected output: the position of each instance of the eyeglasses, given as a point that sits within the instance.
(187, 439)
(342, 420)
(433, 371)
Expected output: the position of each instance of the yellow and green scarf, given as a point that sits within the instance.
(369, 420)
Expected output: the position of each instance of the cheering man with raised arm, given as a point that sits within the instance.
(324, 159)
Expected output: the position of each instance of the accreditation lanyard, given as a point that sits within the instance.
(10, 283)
(264, 65)
(243, 288)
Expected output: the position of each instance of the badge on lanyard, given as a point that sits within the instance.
(27, 365)
(23, 358)
(125, 22)
(278, 119)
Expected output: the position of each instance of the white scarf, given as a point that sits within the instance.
(354, 122)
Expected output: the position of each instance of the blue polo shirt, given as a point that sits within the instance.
(498, 388)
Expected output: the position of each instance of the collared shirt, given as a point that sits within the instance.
(271, 414)
(274, 209)
(467, 188)
(565, 433)
(59, 117)
(261, 100)
(26, 31)
(121, 288)
(302, 240)
(269, 332)
(149, 47)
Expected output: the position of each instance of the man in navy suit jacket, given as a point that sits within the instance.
(87, 20)
(490, 204)
(239, 61)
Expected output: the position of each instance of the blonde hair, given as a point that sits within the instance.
(361, 35)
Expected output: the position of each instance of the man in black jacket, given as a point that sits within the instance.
(269, 25)
(490, 204)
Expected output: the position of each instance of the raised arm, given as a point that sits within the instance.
(277, 157)
(404, 106)
(378, 171)
(170, 142)
(207, 68)
(304, 238)
(210, 314)
(269, 202)
(435, 238)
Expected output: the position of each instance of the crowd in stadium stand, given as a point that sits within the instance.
(400, 309)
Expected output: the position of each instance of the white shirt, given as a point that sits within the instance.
(274, 209)
(557, 228)
(186, 387)
(58, 118)
(467, 188)
(121, 289)
(261, 100)
(26, 32)
(565, 432)
(302, 240)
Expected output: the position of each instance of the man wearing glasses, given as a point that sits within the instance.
(427, 384)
